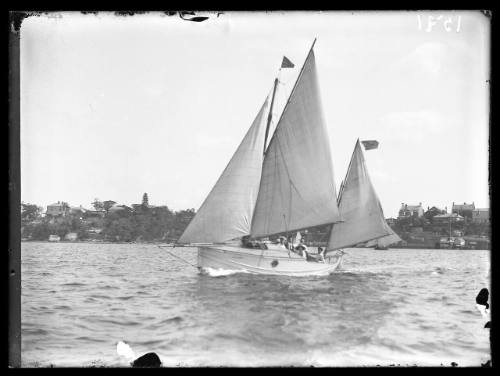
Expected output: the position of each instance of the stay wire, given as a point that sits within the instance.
(180, 258)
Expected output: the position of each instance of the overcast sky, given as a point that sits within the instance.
(112, 107)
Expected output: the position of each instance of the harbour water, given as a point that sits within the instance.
(396, 307)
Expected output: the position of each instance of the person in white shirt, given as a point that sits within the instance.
(302, 248)
(281, 243)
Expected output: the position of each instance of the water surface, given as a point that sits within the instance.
(401, 306)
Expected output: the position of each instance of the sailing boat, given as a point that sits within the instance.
(283, 188)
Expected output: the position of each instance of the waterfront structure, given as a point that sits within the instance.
(71, 236)
(54, 238)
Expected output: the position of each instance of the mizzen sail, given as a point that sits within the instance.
(297, 188)
(227, 211)
(362, 215)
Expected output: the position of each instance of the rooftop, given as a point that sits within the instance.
(463, 206)
(447, 215)
(56, 204)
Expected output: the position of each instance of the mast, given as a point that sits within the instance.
(297, 175)
(295, 85)
(289, 97)
(269, 117)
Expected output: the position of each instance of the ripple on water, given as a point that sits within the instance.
(125, 297)
(109, 287)
(151, 343)
(117, 322)
(175, 319)
(92, 339)
(34, 331)
(100, 296)
(74, 284)
(62, 307)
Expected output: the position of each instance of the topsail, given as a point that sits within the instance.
(227, 211)
(297, 188)
(360, 208)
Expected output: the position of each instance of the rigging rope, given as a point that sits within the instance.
(180, 258)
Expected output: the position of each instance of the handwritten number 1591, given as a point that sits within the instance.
(449, 23)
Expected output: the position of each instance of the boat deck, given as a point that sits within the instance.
(271, 252)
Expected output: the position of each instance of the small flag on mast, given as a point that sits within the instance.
(370, 144)
(286, 63)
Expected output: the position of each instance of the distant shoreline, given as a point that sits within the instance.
(416, 246)
(93, 242)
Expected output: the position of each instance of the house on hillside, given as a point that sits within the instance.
(432, 212)
(442, 223)
(453, 217)
(116, 208)
(139, 207)
(77, 211)
(57, 209)
(95, 213)
(390, 221)
(447, 218)
(481, 215)
(408, 211)
(464, 210)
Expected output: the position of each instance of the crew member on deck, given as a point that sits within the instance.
(248, 243)
(282, 243)
(321, 254)
(302, 248)
(245, 240)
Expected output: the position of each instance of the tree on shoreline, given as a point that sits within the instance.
(30, 212)
(106, 205)
(97, 204)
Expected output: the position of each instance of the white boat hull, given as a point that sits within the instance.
(257, 261)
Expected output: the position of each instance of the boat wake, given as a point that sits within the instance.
(220, 272)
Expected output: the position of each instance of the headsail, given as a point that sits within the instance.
(227, 211)
(362, 215)
(297, 188)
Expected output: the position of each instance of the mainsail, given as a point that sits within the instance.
(384, 241)
(297, 188)
(227, 211)
(362, 215)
